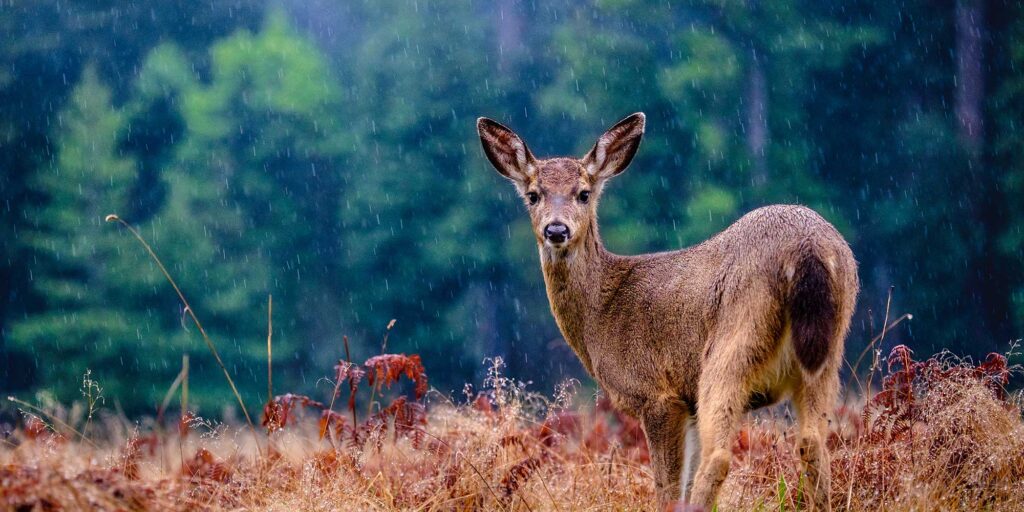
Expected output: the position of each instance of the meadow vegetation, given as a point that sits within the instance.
(942, 433)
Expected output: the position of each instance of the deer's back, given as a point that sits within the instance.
(660, 310)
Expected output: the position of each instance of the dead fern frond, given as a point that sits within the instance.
(386, 369)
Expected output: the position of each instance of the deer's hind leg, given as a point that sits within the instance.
(741, 355)
(814, 400)
(722, 397)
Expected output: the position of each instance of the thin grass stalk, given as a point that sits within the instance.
(881, 338)
(53, 418)
(460, 456)
(855, 366)
(270, 333)
(383, 349)
(867, 395)
(351, 384)
(334, 397)
(195, 319)
(184, 384)
(905, 316)
(169, 395)
(184, 408)
(330, 412)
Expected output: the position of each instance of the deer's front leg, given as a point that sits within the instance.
(665, 427)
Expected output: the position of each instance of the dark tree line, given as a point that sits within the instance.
(325, 153)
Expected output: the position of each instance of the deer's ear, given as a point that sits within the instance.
(506, 151)
(616, 148)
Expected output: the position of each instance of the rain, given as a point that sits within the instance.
(326, 154)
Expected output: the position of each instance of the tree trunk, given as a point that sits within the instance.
(757, 120)
(970, 82)
(5, 292)
(510, 35)
(987, 290)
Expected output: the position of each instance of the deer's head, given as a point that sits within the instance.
(561, 194)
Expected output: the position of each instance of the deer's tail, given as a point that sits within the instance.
(813, 311)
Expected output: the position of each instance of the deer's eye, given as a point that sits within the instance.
(584, 196)
(532, 197)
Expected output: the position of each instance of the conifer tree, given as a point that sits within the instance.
(95, 317)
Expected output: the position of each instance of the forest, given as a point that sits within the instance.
(325, 153)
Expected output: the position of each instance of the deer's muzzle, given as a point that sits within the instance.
(556, 232)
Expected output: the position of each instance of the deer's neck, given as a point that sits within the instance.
(574, 279)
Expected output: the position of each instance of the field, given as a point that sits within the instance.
(938, 434)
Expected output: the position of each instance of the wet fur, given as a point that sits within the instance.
(756, 314)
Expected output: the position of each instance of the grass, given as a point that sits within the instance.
(939, 434)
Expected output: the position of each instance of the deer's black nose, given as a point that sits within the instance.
(556, 232)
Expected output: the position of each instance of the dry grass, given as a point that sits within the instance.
(941, 434)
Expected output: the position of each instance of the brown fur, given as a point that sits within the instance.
(756, 313)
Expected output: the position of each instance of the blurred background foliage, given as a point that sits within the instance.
(325, 152)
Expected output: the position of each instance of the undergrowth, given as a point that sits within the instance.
(940, 434)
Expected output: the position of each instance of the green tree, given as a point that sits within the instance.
(412, 223)
(80, 266)
(250, 209)
(1007, 108)
(723, 83)
(45, 48)
(926, 206)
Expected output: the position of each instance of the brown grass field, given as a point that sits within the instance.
(939, 434)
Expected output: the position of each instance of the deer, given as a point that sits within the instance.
(689, 341)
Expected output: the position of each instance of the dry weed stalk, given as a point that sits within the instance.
(189, 310)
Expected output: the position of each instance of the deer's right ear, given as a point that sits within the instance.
(506, 151)
(616, 148)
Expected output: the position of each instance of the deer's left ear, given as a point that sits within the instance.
(616, 148)
(506, 151)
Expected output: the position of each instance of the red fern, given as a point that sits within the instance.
(278, 411)
(908, 377)
(895, 407)
(898, 386)
(410, 422)
(185, 424)
(332, 422)
(136, 447)
(518, 474)
(994, 373)
(351, 372)
(346, 371)
(556, 426)
(408, 419)
(204, 466)
(386, 369)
